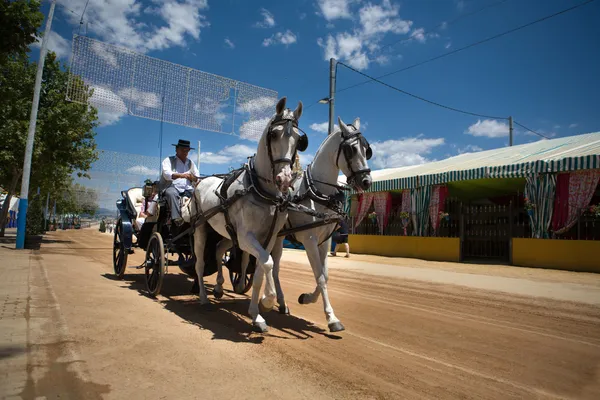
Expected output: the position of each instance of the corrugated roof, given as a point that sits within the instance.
(555, 155)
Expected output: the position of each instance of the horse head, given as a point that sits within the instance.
(280, 142)
(353, 153)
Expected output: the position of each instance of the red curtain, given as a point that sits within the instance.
(437, 204)
(561, 202)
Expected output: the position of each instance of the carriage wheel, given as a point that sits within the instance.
(155, 264)
(119, 251)
(235, 277)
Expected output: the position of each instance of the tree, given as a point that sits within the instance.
(64, 140)
(19, 24)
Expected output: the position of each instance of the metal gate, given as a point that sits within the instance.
(486, 233)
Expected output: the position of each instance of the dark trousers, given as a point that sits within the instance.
(173, 195)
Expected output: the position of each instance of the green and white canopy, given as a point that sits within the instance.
(545, 156)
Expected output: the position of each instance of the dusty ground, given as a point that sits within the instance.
(414, 330)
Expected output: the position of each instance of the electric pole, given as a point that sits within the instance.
(23, 201)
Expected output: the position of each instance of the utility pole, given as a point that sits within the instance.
(510, 131)
(332, 68)
(23, 201)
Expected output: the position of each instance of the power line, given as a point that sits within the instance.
(473, 44)
(419, 97)
(531, 130)
(443, 24)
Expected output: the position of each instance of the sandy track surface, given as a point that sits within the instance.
(408, 335)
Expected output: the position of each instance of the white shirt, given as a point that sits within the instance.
(181, 184)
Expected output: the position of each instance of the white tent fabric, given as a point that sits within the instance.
(555, 155)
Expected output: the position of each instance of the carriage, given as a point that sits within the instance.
(165, 245)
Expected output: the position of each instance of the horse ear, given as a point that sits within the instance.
(298, 111)
(356, 123)
(281, 105)
(342, 126)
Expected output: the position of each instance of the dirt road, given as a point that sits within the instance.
(407, 337)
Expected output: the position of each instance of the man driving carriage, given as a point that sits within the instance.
(178, 174)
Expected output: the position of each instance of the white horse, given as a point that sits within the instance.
(254, 219)
(347, 150)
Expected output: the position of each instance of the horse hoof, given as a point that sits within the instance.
(302, 299)
(262, 309)
(284, 310)
(260, 327)
(336, 327)
(217, 294)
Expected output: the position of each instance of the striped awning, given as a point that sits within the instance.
(550, 156)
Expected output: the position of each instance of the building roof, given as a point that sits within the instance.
(555, 155)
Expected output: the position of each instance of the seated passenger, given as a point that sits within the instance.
(149, 206)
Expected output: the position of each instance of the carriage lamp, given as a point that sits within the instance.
(325, 100)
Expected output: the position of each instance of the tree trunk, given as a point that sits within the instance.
(6, 206)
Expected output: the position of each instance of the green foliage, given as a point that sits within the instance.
(65, 138)
(19, 24)
(35, 217)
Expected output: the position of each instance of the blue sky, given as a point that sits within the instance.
(545, 76)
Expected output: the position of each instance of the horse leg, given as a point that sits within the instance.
(199, 243)
(317, 256)
(334, 324)
(313, 255)
(222, 247)
(264, 265)
(276, 253)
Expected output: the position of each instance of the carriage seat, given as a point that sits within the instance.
(135, 198)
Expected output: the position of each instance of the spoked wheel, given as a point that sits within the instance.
(119, 251)
(235, 277)
(155, 264)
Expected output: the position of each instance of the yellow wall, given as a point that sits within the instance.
(572, 255)
(426, 248)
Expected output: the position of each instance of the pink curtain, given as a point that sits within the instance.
(405, 208)
(437, 204)
(364, 203)
(383, 206)
(582, 185)
(561, 202)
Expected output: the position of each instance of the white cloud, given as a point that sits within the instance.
(460, 4)
(470, 148)
(323, 127)
(334, 9)
(106, 118)
(572, 126)
(286, 38)
(268, 19)
(448, 45)
(358, 47)
(305, 159)
(419, 35)
(142, 170)
(140, 98)
(403, 152)
(229, 43)
(489, 128)
(111, 107)
(237, 153)
(252, 130)
(120, 21)
(257, 105)
(57, 44)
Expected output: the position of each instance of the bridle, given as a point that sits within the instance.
(289, 122)
(349, 152)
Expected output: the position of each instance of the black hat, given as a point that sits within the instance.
(184, 143)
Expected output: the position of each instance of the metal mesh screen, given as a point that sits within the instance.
(116, 171)
(127, 82)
